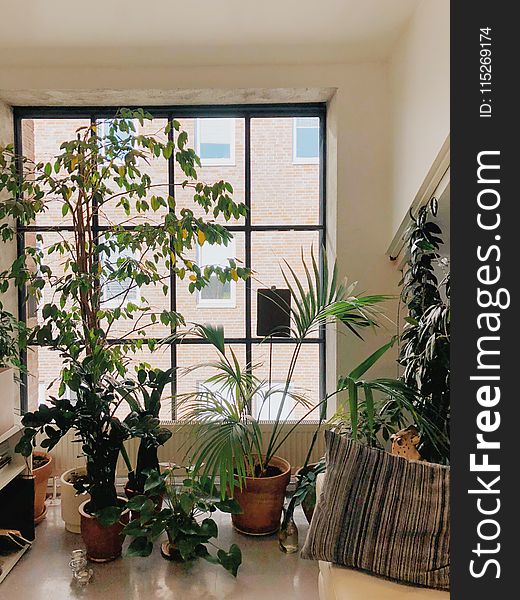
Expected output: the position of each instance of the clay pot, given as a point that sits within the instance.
(261, 500)
(103, 543)
(70, 500)
(41, 479)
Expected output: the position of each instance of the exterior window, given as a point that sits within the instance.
(251, 147)
(306, 140)
(216, 294)
(215, 141)
(268, 410)
(118, 292)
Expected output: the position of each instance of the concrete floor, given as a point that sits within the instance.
(266, 573)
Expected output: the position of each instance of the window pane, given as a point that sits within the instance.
(215, 139)
(220, 144)
(269, 251)
(307, 138)
(282, 192)
(192, 380)
(217, 303)
(41, 140)
(305, 382)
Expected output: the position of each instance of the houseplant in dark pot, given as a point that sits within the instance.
(186, 519)
(86, 282)
(229, 442)
(144, 398)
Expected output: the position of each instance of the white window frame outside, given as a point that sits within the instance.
(298, 160)
(213, 162)
(230, 302)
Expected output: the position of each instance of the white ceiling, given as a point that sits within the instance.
(110, 32)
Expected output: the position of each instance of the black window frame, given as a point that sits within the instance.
(170, 112)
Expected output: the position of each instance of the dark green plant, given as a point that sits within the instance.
(229, 442)
(91, 416)
(189, 535)
(144, 398)
(425, 341)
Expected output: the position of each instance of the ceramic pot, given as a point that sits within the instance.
(41, 480)
(70, 500)
(262, 500)
(103, 543)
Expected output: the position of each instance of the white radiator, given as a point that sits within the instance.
(67, 453)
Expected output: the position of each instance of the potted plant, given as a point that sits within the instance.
(144, 398)
(71, 499)
(229, 442)
(98, 169)
(189, 534)
(425, 340)
(41, 469)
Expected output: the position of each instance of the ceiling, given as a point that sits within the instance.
(207, 32)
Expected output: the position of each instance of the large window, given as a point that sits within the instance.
(260, 151)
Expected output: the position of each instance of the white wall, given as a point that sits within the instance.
(419, 72)
(7, 251)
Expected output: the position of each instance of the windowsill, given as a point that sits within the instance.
(217, 163)
(216, 304)
(306, 161)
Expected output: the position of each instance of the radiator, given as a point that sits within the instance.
(67, 454)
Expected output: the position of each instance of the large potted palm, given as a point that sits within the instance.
(102, 169)
(229, 443)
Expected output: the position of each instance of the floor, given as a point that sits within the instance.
(266, 573)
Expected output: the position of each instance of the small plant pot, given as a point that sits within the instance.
(103, 543)
(262, 500)
(71, 501)
(41, 479)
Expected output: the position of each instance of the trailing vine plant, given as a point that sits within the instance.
(425, 341)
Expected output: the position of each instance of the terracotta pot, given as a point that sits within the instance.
(103, 543)
(70, 500)
(262, 501)
(41, 480)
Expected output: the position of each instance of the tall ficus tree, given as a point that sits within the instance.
(102, 168)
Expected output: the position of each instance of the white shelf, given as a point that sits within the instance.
(10, 432)
(9, 472)
(9, 561)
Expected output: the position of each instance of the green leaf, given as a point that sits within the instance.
(230, 560)
(141, 546)
(108, 516)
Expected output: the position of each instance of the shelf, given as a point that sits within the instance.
(9, 472)
(9, 561)
(17, 427)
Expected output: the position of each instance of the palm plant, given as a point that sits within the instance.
(229, 442)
